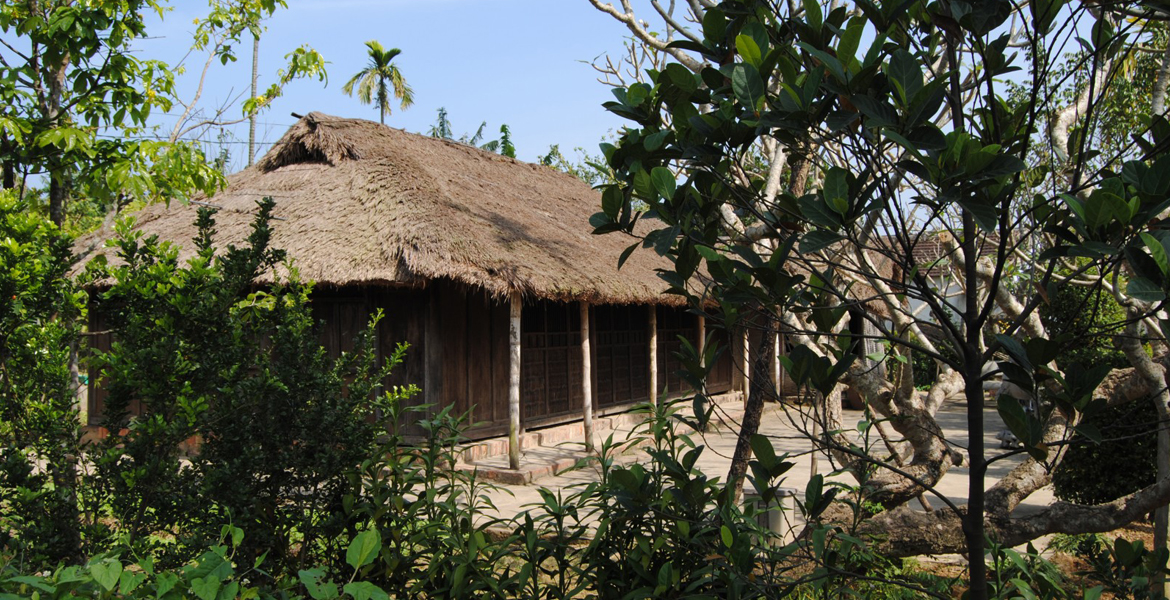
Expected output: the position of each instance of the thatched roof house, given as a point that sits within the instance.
(451, 242)
(363, 203)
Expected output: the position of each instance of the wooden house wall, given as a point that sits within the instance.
(458, 352)
(550, 368)
(621, 356)
(722, 376)
(466, 361)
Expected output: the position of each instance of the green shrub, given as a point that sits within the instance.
(39, 311)
(1123, 463)
(209, 356)
(1089, 317)
(1091, 472)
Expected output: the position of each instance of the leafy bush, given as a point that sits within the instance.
(1125, 568)
(1094, 472)
(1089, 318)
(210, 359)
(1123, 463)
(39, 310)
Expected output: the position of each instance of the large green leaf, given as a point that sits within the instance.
(818, 239)
(1158, 251)
(1145, 290)
(206, 588)
(748, 87)
(749, 50)
(364, 590)
(106, 572)
(364, 548)
(664, 183)
(906, 73)
(850, 38)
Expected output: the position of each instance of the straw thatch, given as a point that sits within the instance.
(361, 203)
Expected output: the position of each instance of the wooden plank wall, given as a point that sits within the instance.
(621, 352)
(550, 371)
(467, 361)
(723, 375)
(458, 352)
(672, 323)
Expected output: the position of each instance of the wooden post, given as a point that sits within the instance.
(514, 382)
(702, 346)
(777, 376)
(586, 378)
(653, 354)
(747, 365)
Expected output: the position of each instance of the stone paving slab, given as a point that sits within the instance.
(782, 424)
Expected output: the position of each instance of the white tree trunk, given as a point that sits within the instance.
(746, 359)
(586, 378)
(653, 330)
(514, 382)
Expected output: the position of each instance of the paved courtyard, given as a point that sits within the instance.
(780, 424)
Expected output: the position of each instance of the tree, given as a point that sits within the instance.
(77, 102)
(442, 129)
(374, 82)
(790, 173)
(39, 325)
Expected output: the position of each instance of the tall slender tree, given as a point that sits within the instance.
(374, 82)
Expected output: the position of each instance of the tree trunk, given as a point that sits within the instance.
(514, 381)
(752, 415)
(58, 193)
(252, 117)
(1160, 584)
(652, 331)
(586, 378)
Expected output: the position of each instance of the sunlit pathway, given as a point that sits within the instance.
(783, 427)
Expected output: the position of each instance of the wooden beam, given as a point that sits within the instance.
(514, 382)
(586, 378)
(777, 374)
(747, 364)
(653, 327)
(702, 345)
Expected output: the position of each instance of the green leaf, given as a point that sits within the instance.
(836, 189)
(813, 15)
(829, 61)
(748, 87)
(725, 534)
(748, 49)
(164, 583)
(36, 582)
(654, 141)
(850, 38)
(714, 25)
(612, 200)
(129, 581)
(1013, 415)
(663, 180)
(1145, 290)
(877, 112)
(815, 210)
(818, 239)
(906, 74)
(364, 590)
(311, 579)
(986, 216)
(364, 548)
(106, 573)
(1158, 251)
(205, 588)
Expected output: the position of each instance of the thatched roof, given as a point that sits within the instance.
(361, 203)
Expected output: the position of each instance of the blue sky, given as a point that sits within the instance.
(502, 61)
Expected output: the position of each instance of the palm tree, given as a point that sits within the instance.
(372, 81)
